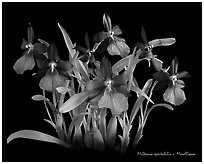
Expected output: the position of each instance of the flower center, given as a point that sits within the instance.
(109, 84)
(52, 65)
(111, 33)
(173, 78)
(29, 47)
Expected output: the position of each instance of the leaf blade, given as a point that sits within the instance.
(35, 135)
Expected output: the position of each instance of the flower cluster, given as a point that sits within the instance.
(95, 87)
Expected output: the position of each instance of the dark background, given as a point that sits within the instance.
(165, 131)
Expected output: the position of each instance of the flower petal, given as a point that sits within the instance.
(106, 68)
(26, 62)
(144, 37)
(24, 43)
(52, 53)
(102, 46)
(118, 48)
(117, 31)
(183, 74)
(94, 85)
(160, 76)
(115, 101)
(30, 34)
(174, 95)
(107, 22)
(158, 64)
(120, 80)
(174, 66)
(51, 81)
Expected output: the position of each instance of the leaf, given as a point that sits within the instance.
(35, 135)
(63, 90)
(88, 140)
(154, 106)
(39, 98)
(98, 140)
(82, 69)
(26, 62)
(75, 122)
(136, 89)
(120, 65)
(102, 123)
(73, 102)
(111, 131)
(140, 100)
(68, 41)
(50, 122)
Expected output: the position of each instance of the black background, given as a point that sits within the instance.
(165, 131)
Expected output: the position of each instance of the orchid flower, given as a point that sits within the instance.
(148, 46)
(174, 93)
(109, 40)
(26, 62)
(54, 68)
(108, 90)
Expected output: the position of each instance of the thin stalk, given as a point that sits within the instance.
(47, 108)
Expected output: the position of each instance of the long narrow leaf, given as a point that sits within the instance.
(39, 98)
(154, 106)
(75, 122)
(73, 102)
(111, 131)
(140, 100)
(120, 65)
(136, 89)
(98, 140)
(35, 135)
(68, 41)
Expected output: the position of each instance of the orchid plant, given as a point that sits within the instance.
(95, 94)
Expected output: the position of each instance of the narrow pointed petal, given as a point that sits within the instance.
(117, 31)
(99, 37)
(120, 80)
(174, 95)
(160, 85)
(30, 34)
(52, 53)
(107, 22)
(174, 66)
(24, 43)
(144, 37)
(82, 49)
(183, 74)
(106, 68)
(95, 85)
(87, 41)
(42, 61)
(102, 46)
(26, 62)
(140, 46)
(158, 64)
(160, 76)
(40, 48)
